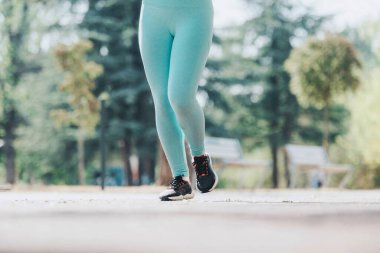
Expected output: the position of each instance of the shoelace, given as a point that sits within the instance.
(176, 182)
(201, 165)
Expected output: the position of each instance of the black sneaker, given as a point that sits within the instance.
(206, 177)
(178, 189)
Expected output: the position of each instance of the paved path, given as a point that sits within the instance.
(133, 220)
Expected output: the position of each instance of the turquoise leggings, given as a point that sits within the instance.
(175, 38)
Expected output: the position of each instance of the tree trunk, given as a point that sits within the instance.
(16, 36)
(287, 169)
(326, 130)
(146, 151)
(125, 150)
(146, 170)
(9, 150)
(165, 172)
(290, 115)
(81, 162)
(273, 150)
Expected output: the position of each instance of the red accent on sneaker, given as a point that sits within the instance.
(204, 163)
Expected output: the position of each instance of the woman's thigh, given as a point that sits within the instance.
(155, 43)
(192, 41)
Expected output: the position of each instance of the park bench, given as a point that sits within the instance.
(314, 161)
(227, 153)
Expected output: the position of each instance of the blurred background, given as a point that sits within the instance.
(279, 72)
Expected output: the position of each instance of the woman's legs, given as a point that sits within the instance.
(191, 45)
(155, 46)
(174, 44)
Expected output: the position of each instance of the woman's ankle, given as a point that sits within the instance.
(201, 155)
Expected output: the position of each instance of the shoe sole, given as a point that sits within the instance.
(181, 197)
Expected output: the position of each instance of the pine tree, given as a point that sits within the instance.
(113, 28)
(272, 32)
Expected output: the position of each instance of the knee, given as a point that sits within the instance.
(162, 106)
(180, 104)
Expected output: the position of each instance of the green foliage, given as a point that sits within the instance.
(78, 83)
(322, 69)
(364, 37)
(362, 141)
(14, 29)
(271, 32)
(112, 26)
(360, 145)
(44, 151)
(310, 124)
(246, 90)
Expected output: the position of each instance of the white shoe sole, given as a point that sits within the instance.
(182, 197)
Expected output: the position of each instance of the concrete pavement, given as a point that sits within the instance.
(134, 220)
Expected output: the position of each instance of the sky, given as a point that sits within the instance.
(347, 12)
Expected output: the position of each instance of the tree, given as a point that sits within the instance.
(46, 153)
(230, 88)
(271, 33)
(14, 31)
(322, 69)
(79, 83)
(113, 28)
(360, 145)
(247, 93)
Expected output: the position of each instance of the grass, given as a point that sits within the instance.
(238, 178)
